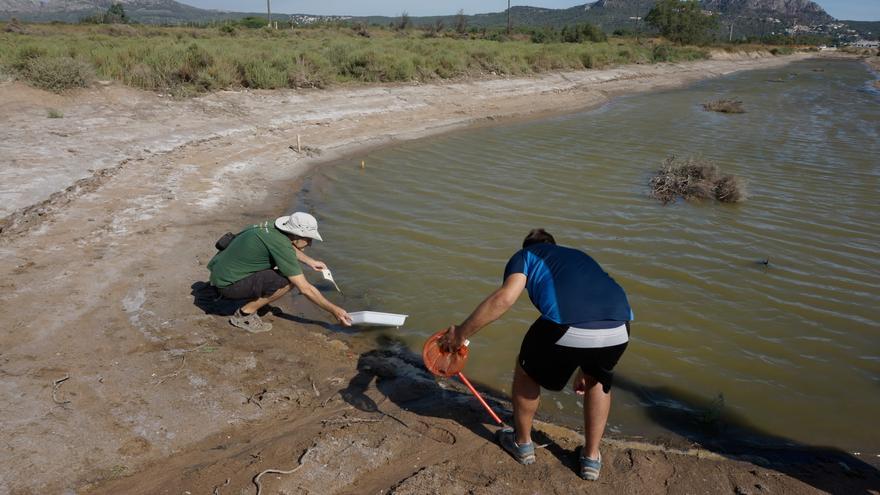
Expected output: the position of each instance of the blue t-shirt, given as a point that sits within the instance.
(568, 286)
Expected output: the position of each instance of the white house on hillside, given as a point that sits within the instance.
(865, 44)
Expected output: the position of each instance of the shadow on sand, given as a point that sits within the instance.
(708, 424)
(401, 377)
(207, 299)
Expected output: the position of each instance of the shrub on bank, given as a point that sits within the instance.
(673, 53)
(57, 73)
(187, 60)
(782, 50)
(694, 179)
(13, 26)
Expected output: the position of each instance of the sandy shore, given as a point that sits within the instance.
(110, 216)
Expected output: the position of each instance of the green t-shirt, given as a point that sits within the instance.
(256, 248)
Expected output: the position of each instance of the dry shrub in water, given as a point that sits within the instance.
(695, 178)
(730, 189)
(725, 106)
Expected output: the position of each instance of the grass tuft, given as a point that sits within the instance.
(54, 113)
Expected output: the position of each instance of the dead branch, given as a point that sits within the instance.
(182, 353)
(328, 399)
(314, 388)
(173, 374)
(217, 488)
(278, 471)
(348, 421)
(256, 397)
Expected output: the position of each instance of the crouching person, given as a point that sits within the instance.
(262, 263)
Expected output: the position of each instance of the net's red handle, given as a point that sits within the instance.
(479, 398)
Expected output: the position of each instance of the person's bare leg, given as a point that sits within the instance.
(597, 405)
(526, 396)
(256, 304)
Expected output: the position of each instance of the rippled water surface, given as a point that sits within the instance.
(792, 347)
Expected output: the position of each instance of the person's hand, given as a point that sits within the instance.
(580, 383)
(318, 265)
(450, 341)
(342, 317)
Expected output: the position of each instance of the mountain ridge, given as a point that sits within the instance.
(751, 17)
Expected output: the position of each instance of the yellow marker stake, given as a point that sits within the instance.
(363, 165)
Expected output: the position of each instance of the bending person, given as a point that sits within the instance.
(262, 263)
(584, 324)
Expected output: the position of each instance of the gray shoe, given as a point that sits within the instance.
(590, 468)
(249, 323)
(524, 454)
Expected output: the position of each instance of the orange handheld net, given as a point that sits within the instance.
(440, 362)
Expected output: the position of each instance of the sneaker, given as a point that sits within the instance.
(589, 467)
(524, 454)
(249, 323)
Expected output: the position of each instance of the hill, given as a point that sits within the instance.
(748, 17)
(145, 11)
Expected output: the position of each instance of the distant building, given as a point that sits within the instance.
(864, 44)
(301, 19)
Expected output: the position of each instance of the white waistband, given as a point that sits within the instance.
(591, 338)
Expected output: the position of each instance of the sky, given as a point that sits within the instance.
(852, 10)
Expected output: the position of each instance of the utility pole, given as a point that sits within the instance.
(508, 17)
(269, 11)
(638, 21)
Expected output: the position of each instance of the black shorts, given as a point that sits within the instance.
(254, 286)
(551, 365)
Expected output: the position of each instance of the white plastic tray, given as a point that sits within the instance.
(377, 318)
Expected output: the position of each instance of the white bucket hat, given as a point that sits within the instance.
(301, 224)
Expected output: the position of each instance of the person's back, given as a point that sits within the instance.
(568, 286)
(262, 264)
(258, 247)
(584, 326)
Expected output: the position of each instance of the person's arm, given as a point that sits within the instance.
(315, 296)
(488, 311)
(308, 260)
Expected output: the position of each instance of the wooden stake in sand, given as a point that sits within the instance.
(298, 144)
(57, 383)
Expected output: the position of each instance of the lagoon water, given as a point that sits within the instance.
(787, 352)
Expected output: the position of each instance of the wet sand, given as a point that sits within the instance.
(111, 215)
